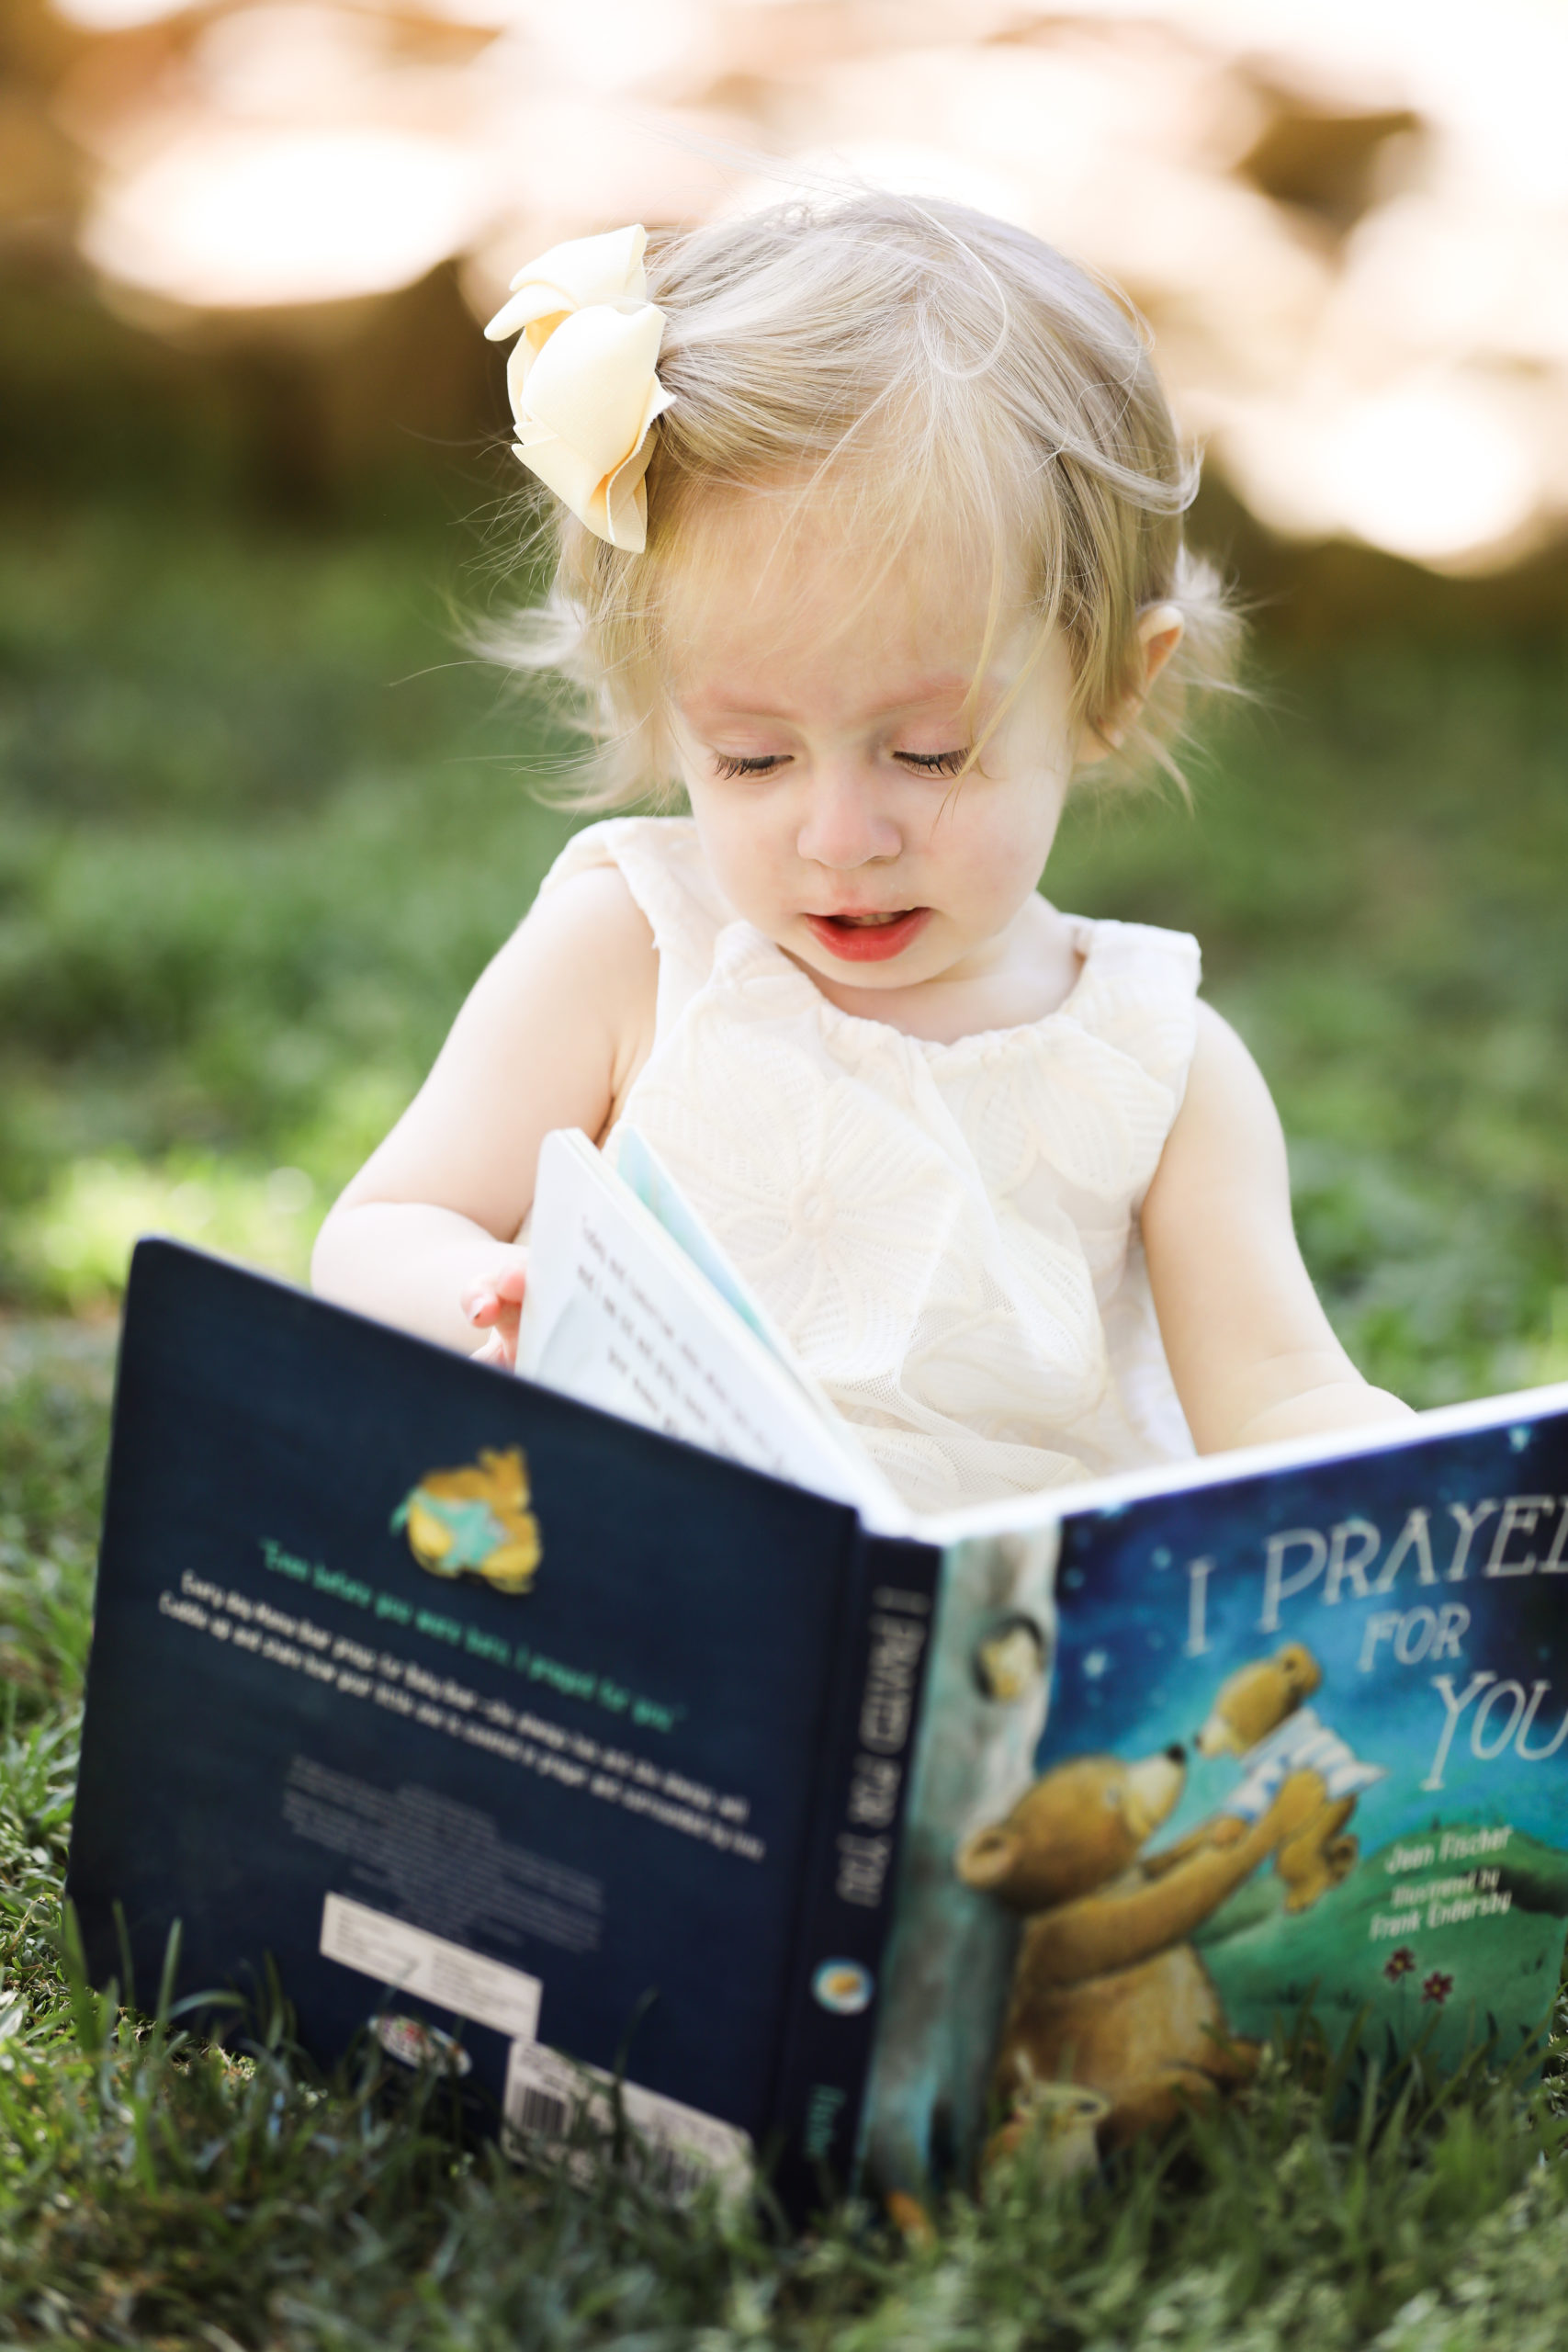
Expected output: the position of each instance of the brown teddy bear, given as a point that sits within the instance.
(1253, 1705)
(1108, 1993)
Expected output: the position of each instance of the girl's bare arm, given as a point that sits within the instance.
(551, 1036)
(1251, 1350)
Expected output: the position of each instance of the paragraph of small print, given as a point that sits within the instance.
(439, 1703)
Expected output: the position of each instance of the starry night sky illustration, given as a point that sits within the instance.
(1124, 1685)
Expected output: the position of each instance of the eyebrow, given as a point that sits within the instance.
(949, 685)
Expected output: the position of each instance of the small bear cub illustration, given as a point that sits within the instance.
(1259, 1714)
(1256, 1699)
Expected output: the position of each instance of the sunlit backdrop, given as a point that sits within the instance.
(261, 821)
(1348, 223)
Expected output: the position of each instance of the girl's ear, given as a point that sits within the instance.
(1160, 631)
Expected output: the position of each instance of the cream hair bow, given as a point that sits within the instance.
(584, 380)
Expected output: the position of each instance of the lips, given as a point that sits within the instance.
(868, 937)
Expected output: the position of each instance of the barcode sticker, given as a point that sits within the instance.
(545, 2091)
(486, 1991)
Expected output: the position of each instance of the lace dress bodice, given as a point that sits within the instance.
(946, 1234)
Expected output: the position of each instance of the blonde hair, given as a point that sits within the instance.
(927, 369)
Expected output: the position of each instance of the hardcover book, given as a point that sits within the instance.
(617, 1722)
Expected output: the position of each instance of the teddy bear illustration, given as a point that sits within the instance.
(1260, 1715)
(475, 1519)
(1109, 1994)
(1256, 1699)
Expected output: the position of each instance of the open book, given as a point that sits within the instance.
(620, 1717)
(632, 1305)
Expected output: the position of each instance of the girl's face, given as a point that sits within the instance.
(820, 733)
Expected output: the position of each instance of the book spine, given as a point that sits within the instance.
(846, 1912)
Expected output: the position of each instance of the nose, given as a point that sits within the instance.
(1176, 1753)
(845, 824)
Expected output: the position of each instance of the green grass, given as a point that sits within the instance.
(260, 825)
(259, 829)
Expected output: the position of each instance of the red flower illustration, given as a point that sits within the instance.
(1437, 1987)
(1399, 1963)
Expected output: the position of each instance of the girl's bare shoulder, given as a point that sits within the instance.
(577, 984)
(593, 907)
(584, 941)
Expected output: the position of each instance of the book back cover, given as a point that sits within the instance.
(487, 1717)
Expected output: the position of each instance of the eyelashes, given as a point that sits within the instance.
(919, 763)
(731, 767)
(933, 762)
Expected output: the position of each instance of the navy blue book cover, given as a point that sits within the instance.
(409, 1674)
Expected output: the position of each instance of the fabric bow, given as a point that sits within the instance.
(583, 378)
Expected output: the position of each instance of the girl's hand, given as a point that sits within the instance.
(494, 1302)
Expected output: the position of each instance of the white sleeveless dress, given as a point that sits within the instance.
(946, 1234)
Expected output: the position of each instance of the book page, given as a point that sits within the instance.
(641, 1170)
(619, 1315)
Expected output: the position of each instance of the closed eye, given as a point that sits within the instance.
(762, 764)
(932, 763)
(765, 763)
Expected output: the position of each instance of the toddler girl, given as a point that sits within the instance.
(867, 538)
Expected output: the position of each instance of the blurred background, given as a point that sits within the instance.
(260, 818)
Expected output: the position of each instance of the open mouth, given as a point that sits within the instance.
(869, 938)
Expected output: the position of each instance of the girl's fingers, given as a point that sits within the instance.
(499, 1294)
(494, 1351)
